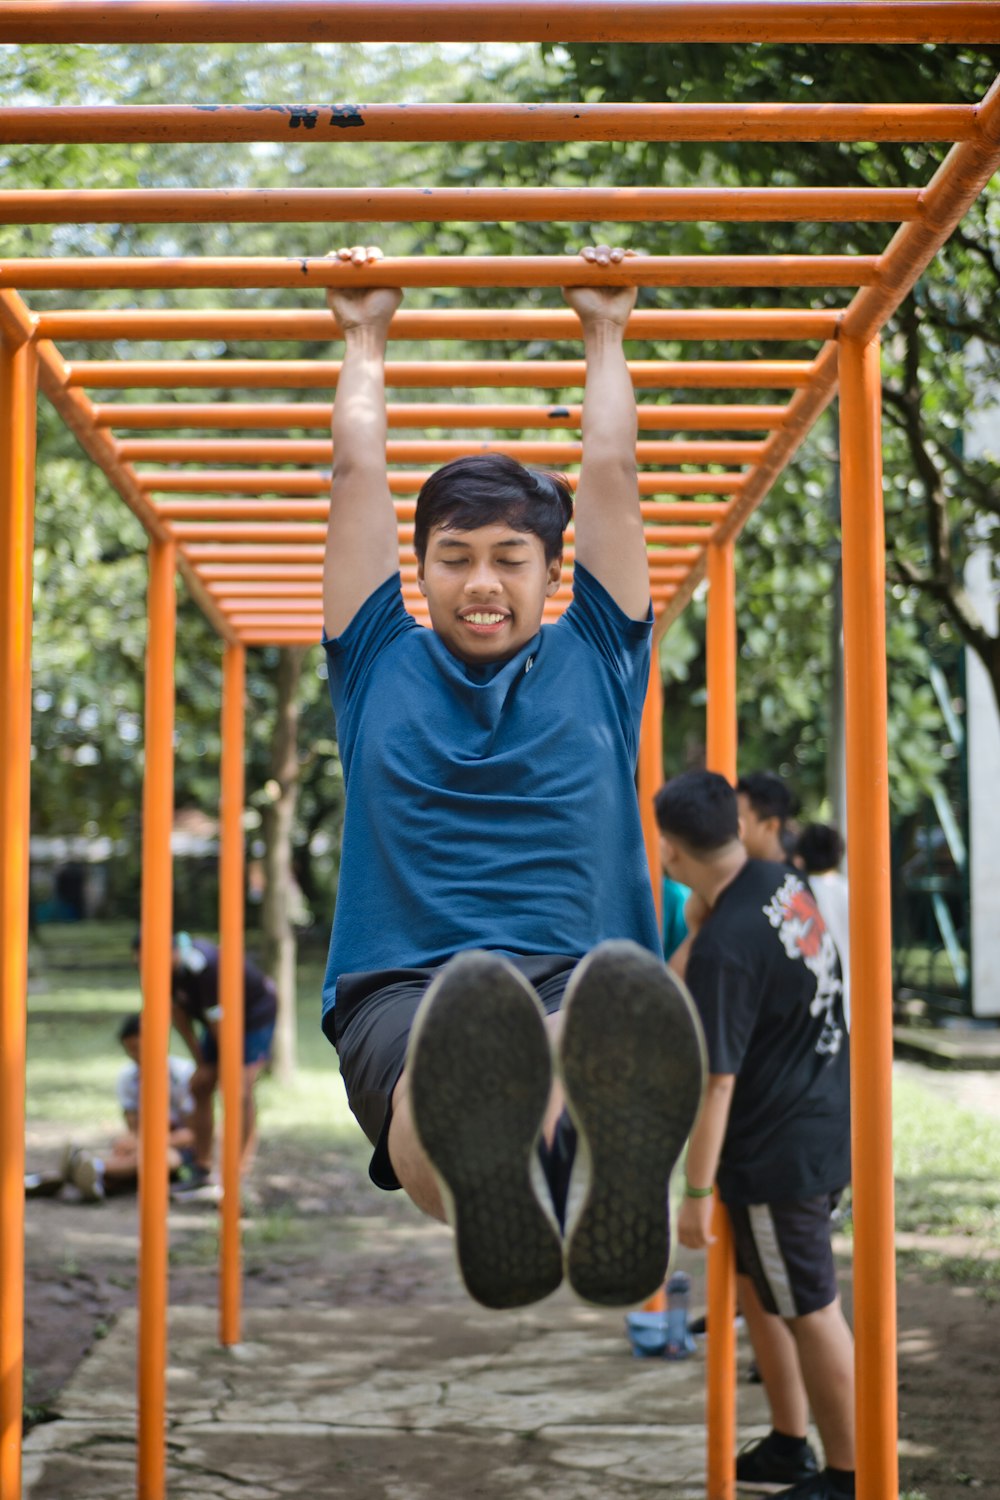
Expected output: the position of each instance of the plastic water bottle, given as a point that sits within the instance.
(680, 1344)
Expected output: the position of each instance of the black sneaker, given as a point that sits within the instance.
(761, 1463)
(480, 1074)
(820, 1486)
(632, 1061)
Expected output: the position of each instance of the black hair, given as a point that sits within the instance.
(820, 847)
(698, 808)
(131, 1026)
(767, 794)
(487, 489)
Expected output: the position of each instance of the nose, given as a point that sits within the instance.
(482, 580)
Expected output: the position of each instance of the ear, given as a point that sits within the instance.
(553, 576)
(741, 828)
(421, 582)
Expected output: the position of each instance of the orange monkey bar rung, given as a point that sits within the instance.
(826, 21)
(349, 123)
(419, 451)
(303, 414)
(318, 510)
(776, 374)
(437, 205)
(316, 482)
(768, 323)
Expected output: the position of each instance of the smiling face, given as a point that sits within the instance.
(486, 589)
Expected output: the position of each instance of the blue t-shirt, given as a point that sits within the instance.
(488, 807)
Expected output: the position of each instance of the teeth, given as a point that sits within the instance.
(481, 619)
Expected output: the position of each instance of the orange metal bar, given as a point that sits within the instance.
(251, 531)
(318, 451)
(76, 410)
(401, 482)
(43, 124)
(949, 195)
(177, 21)
(214, 573)
(871, 920)
(18, 372)
(541, 374)
(314, 414)
(721, 757)
(769, 323)
(481, 205)
(318, 510)
(231, 980)
(157, 917)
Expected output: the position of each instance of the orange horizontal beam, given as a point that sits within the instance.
(47, 124)
(299, 374)
(770, 323)
(314, 414)
(176, 21)
(433, 205)
(318, 451)
(242, 574)
(318, 510)
(316, 482)
(96, 273)
(290, 532)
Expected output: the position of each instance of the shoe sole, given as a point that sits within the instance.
(632, 1061)
(480, 1074)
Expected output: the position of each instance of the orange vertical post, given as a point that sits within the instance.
(721, 757)
(18, 372)
(651, 772)
(863, 530)
(157, 921)
(231, 986)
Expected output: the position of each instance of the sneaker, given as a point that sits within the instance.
(190, 1180)
(480, 1074)
(761, 1463)
(820, 1486)
(86, 1174)
(633, 1067)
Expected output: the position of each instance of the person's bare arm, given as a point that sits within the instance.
(609, 535)
(185, 1028)
(131, 1120)
(704, 1149)
(362, 547)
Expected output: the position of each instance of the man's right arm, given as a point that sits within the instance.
(362, 548)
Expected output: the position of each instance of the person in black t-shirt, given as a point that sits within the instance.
(774, 1133)
(196, 1011)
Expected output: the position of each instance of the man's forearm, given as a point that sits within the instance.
(359, 415)
(705, 1145)
(610, 421)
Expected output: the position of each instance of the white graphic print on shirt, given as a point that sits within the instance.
(793, 911)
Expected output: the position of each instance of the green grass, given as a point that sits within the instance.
(947, 1169)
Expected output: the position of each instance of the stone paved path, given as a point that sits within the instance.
(425, 1403)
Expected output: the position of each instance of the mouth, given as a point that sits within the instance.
(484, 621)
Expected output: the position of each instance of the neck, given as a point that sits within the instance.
(711, 878)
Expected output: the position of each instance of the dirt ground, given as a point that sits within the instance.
(316, 1230)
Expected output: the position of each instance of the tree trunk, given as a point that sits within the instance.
(278, 821)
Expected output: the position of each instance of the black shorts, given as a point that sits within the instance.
(785, 1250)
(370, 1028)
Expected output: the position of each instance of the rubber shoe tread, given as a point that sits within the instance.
(480, 1074)
(632, 1060)
(759, 1464)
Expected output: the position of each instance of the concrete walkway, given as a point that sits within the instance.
(412, 1403)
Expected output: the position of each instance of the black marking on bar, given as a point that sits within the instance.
(302, 115)
(346, 116)
(558, 411)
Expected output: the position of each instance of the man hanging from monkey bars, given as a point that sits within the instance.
(511, 1042)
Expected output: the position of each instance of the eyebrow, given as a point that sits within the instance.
(457, 542)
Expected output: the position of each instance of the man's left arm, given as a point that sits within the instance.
(694, 1223)
(608, 522)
